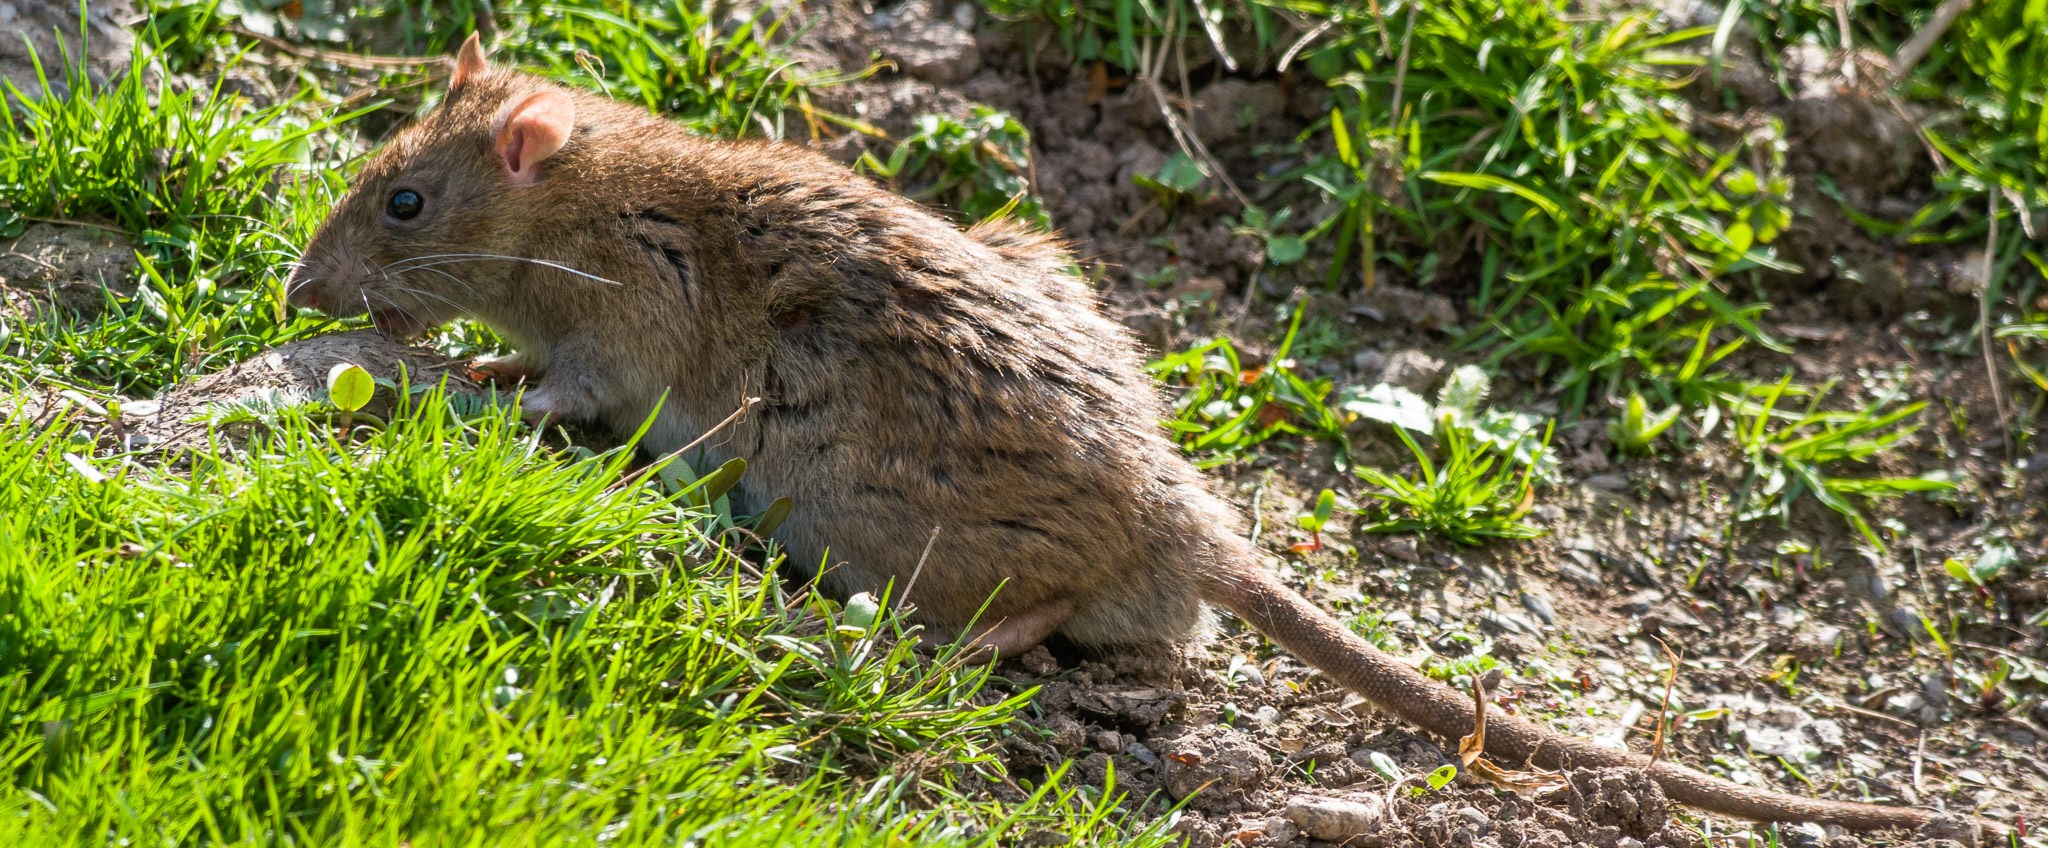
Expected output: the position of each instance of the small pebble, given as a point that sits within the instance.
(1332, 819)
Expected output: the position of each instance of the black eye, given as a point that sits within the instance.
(405, 204)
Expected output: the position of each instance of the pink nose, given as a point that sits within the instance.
(302, 291)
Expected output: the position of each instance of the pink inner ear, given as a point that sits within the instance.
(534, 129)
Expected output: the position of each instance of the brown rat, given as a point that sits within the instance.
(912, 376)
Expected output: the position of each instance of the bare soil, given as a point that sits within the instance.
(1808, 643)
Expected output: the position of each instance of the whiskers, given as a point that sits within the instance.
(437, 259)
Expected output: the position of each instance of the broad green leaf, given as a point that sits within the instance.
(349, 387)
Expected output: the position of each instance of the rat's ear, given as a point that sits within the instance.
(469, 62)
(533, 129)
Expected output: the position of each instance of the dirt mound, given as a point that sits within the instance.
(229, 403)
(62, 273)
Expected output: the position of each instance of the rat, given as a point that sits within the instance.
(910, 375)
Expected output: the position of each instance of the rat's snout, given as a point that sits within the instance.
(322, 281)
(302, 288)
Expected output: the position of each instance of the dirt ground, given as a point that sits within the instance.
(1267, 753)
(1808, 644)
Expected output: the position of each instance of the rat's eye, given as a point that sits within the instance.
(405, 204)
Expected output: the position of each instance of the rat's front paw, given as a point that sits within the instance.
(554, 403)
(503, 370)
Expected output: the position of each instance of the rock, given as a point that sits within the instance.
(1957, 829)
(1322, 754)
(1412, 370)
(1276, 831)
(1214, 760)
(928, 47)
(1934, 691)
(1225, 109)
(1406, 306)
(1332, 819)
(1805, 835)
(1540, 607)
(1138, 160)
(1478, 819)
(1816, 642)
(1368, 364)
(1589, 578)
(1144, 755)
(1625, 798)
(1640, 570)
(1108, 740)
(1609, 482)
(1495, 623)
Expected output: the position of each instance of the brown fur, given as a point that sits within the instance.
(912, 376)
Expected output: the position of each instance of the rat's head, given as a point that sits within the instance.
(440, 223)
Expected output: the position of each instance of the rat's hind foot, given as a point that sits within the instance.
(1016, 633)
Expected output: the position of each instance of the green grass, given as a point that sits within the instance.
(459, 635)
(213, 194)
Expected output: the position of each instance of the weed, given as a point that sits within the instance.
(1458, 407)
(1638, 427)
(1122, 33)
(1476, 494)
(1795, 452)
(1225, 408)
(978, 167)
(716, 76)
(1602, 269)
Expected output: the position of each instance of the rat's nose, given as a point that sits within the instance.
(301, 289)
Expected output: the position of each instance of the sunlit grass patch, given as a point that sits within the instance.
(213, 193)
(442, 629)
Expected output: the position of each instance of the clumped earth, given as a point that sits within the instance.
(1801, 646)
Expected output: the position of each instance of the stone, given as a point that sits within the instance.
(1332, 819)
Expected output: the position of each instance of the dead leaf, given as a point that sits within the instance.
(1521, 782)
(1663, 706)
(1473, 746)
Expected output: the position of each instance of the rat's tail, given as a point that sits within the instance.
(1311, 634)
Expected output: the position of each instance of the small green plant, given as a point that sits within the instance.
(1797, 452)
(1478, 492)
(1179, 176)
(349, 388)
(1315, 520)
(1282, 248)
(1225, 408)
(1435, 780)
(978, 166)
(1459, 406)
(2015, 336)
(1638, 427)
